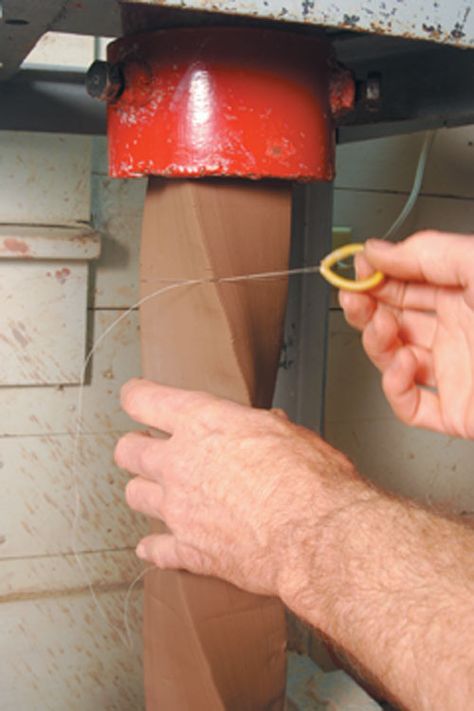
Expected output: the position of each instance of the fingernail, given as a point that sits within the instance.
(141, 551)
(379, 244)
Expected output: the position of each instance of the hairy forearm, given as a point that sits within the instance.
(393, 586)
(388, 582)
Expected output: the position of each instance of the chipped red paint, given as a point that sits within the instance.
(223, 101)
(16, 245)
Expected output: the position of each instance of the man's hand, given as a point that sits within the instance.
(270, 507)
(418, 327)
(242, 491)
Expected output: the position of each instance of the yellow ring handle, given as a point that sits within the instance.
(348, 250)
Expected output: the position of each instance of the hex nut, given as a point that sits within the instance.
(104, 81)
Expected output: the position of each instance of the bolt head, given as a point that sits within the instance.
(104, 81)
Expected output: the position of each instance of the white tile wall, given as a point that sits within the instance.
(117, 209)
(370, 214)
(45, 317)
(58, 653)
(43, 475)
(388, 164)
(57, 650)
(429, 467)
(39, 410)
(45, 178)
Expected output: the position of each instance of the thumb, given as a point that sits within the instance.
(437, 258)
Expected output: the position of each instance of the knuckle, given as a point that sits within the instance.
(357, 309)
(199, 397)
(349, 304)
(197, 400)
(131, 493)
(209, 417)
(353, 319)
(129, 399)
(164, 510)
(196, 560)
(197, 411)
(119, 452)
(421, 243)
(422, 235)
(211, 408)
(126, 390)
(368, 341)
(279, 413)
(399, 296)
(147, 460)
(259, 420)
(172, 512)
(386, 384)
(391, 391)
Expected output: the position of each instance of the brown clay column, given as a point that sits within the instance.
(209, 645)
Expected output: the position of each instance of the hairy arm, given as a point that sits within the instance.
(269, 506)
(397, 597)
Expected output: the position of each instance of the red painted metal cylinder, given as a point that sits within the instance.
(220, 101)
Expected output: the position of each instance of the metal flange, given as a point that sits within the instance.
(219, 101)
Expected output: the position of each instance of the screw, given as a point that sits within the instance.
(372, 88)
(104, 81)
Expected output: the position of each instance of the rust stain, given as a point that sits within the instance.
(81, 238)
(16, 245)
(433, 32)
(62, 274)
(19, 335)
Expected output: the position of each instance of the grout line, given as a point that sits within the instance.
(403, 193)
(127, 308)
(112, 308)
(63, 434)
(357, 420)
(70, 554)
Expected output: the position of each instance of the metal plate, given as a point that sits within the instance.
(23, 22)
(21, 26)
(447, 22)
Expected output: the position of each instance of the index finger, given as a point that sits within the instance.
(158, 406)
(398, 292)
(442, 259)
